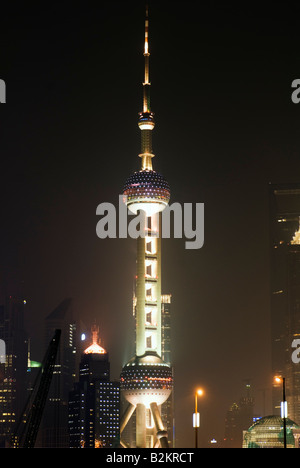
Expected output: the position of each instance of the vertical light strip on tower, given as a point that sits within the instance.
(147, 380)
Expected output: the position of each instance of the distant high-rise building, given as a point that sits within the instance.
(232, 427)
(94, 402)
(285, 291)
(54, 426)
(292, 373)
(238, 419)
(167, 408)
(13, 382)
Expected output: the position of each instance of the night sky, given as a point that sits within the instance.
(225, 128)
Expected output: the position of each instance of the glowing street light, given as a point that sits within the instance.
(281, 380)
(196, 415)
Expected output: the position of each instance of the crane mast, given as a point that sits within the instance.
(26, 433)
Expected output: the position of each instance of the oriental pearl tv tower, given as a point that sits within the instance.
(146, 380)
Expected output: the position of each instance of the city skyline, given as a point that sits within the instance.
(227, 128)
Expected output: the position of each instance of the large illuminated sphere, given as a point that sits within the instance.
(146, 379)
(146, 190)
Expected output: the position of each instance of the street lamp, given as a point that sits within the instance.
(196, 416)
(279, 380)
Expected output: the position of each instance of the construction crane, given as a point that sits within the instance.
(27, 430)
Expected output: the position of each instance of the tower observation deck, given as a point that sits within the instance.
(146, 380)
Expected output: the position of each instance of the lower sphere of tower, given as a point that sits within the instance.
(145, 380)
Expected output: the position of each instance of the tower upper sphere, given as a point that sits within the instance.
(148, 191)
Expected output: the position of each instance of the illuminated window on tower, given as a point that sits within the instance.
(149, 341)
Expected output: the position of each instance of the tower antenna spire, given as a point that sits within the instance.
(146, 28)
(146, 117)
(146, 84)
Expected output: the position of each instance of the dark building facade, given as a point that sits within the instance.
(94, 402)
(13, 372)
(54, 426)
(238, 419)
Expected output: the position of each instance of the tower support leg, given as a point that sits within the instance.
(126, 416)
(161, 433)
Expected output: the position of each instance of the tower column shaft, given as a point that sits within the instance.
(146, 143)
(146, 147)
(146, 97)
(161, 432)
(147, 162)
(140, 298)
(140, 426)
(148, 289)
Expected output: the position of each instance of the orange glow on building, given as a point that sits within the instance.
(95, 347)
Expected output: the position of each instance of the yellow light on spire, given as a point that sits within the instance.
(146, 49)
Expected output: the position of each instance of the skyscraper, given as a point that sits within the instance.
(239, 418)
(293, 327)
(146, 380)
(167, 408)
(94, 402)
(285, 291)
(13, 382)
(54, 427)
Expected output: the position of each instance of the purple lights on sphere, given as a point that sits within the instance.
(147, 184)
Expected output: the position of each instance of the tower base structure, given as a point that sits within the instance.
(146, 383)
